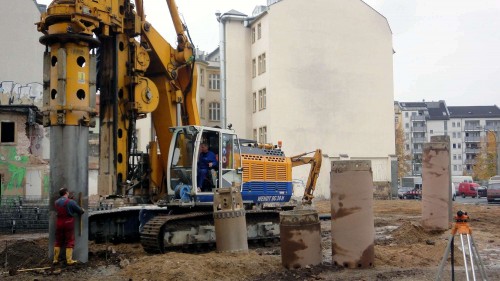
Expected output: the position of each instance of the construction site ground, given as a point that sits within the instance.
(403, 251)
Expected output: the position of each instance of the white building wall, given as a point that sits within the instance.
(21, 57)
(435, 128)
(329, 81)
(457, 146)
(238, 75)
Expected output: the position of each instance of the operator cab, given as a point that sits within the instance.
(189, 184)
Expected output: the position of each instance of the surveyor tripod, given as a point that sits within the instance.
(469, 249)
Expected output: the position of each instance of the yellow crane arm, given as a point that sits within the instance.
(315, 162)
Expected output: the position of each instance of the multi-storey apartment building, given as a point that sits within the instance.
(469, 126)
(420, 120)
(314, 74)
(466, 126)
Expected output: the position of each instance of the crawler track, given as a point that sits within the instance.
(152, 235)
(261, 225)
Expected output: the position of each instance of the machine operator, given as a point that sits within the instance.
(206, 161)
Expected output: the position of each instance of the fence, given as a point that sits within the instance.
(27, 214)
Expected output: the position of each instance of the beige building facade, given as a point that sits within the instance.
(314, 75)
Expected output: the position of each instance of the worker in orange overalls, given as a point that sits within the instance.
(66, 209)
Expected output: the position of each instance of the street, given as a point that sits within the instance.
(470, 200)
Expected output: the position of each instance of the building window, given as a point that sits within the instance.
(407, 147)
(255, 134)
(214, 111)
(202, 108)
(407, 125)
(459, 156)
(253, 35)
(202, 77)
(458, 124)
(455, 168)
(259, 31)
(406, 114)
(7, 132)
(454, 157)
(262, 63)
(214, 82)
(254, 68)
(459, 145)
(453, 124)
(431, 131)
(454, 145)
(254, 97)
(263, 134)
(459, 134)
(454, 135)
(262, 99)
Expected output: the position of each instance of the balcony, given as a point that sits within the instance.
(417, 150)
(417, 118)
(418, 129)
(472, 150)
(473, 128)
(472, 139)
(492, 128)
(470, 161)
(419, 140)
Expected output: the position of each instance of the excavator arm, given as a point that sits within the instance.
(315, 162)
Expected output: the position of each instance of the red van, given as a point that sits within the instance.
(468, 189)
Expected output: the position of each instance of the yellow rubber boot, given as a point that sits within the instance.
(57, 251)
(69, 256)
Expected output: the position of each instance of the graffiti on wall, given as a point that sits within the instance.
(13, 168)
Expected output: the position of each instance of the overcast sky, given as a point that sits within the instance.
(445, 50)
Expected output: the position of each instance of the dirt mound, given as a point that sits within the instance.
(412, 255)
(24, 254)
(412, 246)
(411, 232)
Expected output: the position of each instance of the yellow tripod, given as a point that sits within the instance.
(469, 248)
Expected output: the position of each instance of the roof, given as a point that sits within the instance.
(489, 111)
(29, 110)
(233, 12)
(213, 53)
(412, 105)
(437, 110)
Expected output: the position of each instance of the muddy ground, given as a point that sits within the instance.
(403, 251)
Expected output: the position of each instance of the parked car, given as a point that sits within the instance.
(481, 191)
(468, 189)
(402, 191)
(415, 193)
(493, 192)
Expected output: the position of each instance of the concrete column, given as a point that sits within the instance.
(69, 168)
(353, 231)
(436, 184)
